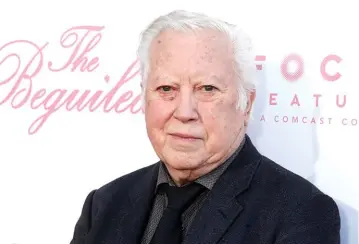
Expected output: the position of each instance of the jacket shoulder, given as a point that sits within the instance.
(288, 189)
(99, 199)
(122, 183)
(303, 211)
(104, 195)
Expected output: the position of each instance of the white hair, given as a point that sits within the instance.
(185, 21)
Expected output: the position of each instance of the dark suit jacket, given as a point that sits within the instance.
(255, 201)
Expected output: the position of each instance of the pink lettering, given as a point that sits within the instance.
(79, 104)
(292, 76)
(51, 105)
(343, 103)
(323, 66)
(18, 100)
(260, 58)
(135, 102)
(272, 98)
(126, 96)
(39, 94)
(14, 73)
(20, 72)
(58, 98)
(71, 39)
(295, 101)
(317, 96)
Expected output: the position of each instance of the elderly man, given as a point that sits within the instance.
(211, 185)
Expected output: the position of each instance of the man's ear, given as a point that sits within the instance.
(250, 100)
(143, 105)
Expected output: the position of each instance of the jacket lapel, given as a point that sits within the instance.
(128, 215)
(223, 206)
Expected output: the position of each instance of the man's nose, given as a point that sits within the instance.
(186, 109)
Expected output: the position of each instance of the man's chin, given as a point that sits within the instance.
(183, 164)
(184, 172)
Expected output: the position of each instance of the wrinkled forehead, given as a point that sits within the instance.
(191, 53)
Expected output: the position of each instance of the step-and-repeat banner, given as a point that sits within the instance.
(71, 118)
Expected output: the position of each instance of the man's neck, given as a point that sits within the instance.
(183, 177)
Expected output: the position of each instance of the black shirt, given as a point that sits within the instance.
(160, 201)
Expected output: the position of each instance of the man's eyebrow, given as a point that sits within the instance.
(164, 77)
(171, 79)
(211, 77)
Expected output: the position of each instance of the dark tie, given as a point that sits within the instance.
(169, 229)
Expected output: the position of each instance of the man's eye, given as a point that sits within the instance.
(208, 88)
(165, 88)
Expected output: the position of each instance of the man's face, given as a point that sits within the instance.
(191, 100)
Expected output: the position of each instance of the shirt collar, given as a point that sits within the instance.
(208, 180)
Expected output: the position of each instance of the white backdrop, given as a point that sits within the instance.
(70, 118)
